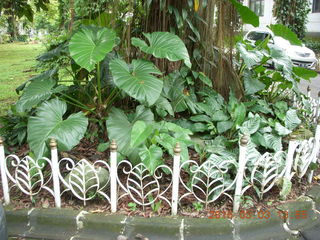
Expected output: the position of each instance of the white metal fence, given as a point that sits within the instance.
(113, 180)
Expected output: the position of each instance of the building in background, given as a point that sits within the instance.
(263, 8)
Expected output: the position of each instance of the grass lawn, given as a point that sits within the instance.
(17, 64)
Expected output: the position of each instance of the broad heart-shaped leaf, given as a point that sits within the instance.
(292, 120)
(151, 157)
(246, 14)
(90, 45)
(164, 45)
(282, 61)
(250, 57)
(304, 73)
(281, 130)
(48, 123)
(36, 92)
(283, 31)
(139, 133)
(137, 80)
(272, 142)
(251, 125)
(252, 84)
(119, 128)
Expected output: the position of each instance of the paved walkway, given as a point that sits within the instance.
(314, 85)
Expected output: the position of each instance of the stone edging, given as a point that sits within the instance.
(61, 224)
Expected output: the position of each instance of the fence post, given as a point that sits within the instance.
(55, 172)
(175, 179)
(308, 91)
(316, 149)
(242, 164)
(4, 178)
(113, 176)
(293, 143)
(316, 117)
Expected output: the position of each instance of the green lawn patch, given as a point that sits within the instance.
(17, 64)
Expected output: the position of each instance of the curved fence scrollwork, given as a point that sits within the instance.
(112, 181)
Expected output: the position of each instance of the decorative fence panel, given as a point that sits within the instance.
(112, 180)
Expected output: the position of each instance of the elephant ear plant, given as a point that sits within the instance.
(88, 47)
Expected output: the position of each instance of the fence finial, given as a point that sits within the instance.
(53, 143)
(177, 149)
(244, 140)
(113, 146)
(293, 137)
(1, 141)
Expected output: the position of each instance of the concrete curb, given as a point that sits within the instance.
(61, 224)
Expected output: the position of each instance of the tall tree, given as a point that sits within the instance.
(18, 8)
(293, 14)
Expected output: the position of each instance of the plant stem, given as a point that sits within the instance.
(99, 84)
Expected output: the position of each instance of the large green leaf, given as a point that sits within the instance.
(224, 126)
(140, 132)
(251, 126)
(164, 45)
(50, 74)
(246, 14)
(49, 123)
(151, 157)
(283, 31)
(292, 120)
(272, 142)
(250, 57)
(281, 61)
(120, 127)
(90, 45)
(252, 84)
(281, 130)
(36, 92)
(304, 73)
(137, 80)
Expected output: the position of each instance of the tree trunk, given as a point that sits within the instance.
(72, 14)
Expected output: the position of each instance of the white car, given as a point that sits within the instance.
(300, 56)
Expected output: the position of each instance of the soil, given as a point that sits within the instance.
(87, 150)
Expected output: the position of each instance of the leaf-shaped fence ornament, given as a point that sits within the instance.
(164, 45)
(266, 171)
(209, 180)
(304, 155)
(142, 186)
(27, 174)
(85, 180)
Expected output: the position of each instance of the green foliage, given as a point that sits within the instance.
(40, 89)
(285, 32)
(247, 202)
(49, 123)
(246, 14)
(198, 206)
(286, 188)
(164, 45)
(14, 127)
(314, 45)
(293, 14)
(132, 206)
(137, 80)
(120, 126)
(90, 44)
